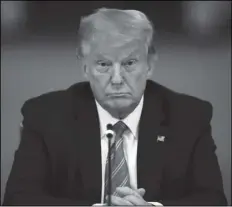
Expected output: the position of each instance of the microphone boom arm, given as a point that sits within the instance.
(110, 134)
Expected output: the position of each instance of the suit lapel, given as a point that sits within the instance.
(87, 125)
(151, 154)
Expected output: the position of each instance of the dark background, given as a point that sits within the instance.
(58, 18)
(38, 43)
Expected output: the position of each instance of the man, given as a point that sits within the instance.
(162, 151)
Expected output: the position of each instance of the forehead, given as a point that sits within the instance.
(114, 48)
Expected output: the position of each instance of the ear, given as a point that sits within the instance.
(82, 65)
(85, 71)
(151, 64)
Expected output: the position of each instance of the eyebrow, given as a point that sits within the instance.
(104, 56)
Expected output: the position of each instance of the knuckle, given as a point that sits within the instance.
(129, 197)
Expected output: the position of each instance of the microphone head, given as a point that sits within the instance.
(109, 127)
(109, 132)
(109, 135)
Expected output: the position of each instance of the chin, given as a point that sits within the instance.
(116, 104)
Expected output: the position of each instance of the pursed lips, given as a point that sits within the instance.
(117, 94)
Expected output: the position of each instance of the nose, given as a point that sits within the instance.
(116, 78)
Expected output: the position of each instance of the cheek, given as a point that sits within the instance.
(96, 77)
(137, 81)
(138, 77)
(98, 82)
(100, 79)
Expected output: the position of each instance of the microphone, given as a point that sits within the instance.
(110, 134)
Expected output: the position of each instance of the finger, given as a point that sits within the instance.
(141, 191)
(138, 201)
(124, 191)
(115, 200)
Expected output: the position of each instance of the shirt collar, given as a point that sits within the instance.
(132, 120)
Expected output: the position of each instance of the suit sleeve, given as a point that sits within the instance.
(28, 182)
(205, 180)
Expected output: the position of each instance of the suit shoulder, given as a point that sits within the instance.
(185, 105)
(191, 106)
(53, 101)
(43, 101)
(201, 105)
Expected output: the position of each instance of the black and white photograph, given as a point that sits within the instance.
(116, 103)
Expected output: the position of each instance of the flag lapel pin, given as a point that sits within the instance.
(160, 138)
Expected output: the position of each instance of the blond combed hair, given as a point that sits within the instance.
(122, 24)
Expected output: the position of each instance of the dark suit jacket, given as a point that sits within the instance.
(58, 161)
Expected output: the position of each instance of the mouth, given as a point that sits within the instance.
(118, 95)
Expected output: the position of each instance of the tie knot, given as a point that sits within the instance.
(120, 127)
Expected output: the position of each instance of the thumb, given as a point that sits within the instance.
(141, 191)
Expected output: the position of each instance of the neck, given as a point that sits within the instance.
(119, 115)
(122, 113)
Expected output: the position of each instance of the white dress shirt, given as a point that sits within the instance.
(130, 141)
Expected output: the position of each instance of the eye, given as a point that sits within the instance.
(130, 62)
(102, 65)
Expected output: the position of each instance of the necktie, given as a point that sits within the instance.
(120, 174)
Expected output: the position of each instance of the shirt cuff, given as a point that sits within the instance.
(156, 203)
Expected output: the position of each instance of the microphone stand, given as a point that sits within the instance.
(109, 136)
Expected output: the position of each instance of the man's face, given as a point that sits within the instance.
(117, 74)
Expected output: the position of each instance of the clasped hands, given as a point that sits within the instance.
(129, 197)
